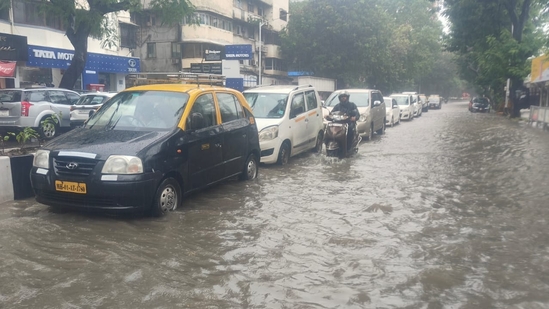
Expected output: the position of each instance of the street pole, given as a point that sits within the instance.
(259, 80)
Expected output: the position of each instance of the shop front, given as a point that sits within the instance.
(12, 49)
(46, 65)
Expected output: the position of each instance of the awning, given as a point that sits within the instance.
(7, 68)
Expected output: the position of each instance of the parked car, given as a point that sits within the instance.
(418, 104)
(20, 108)
(289, 120)
(147, 147)
(424, 103)
(405, 104)
(371, 106)
(481, 105)
(87, 105)
(435, 101)
(392, 111)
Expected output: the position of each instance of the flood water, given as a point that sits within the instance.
(449, 210)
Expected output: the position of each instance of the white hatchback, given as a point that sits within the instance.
(88, 102)
(289, 120)
(392, 111)
(407, 108)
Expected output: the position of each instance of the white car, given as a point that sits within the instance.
(289, 121)
(418, 104)
(405, 104)
(392, 111)
(88, 102)
(371, 107)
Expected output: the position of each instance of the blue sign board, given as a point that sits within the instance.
(300, 73)
(48, 57)
(238, 52)
(235, 83)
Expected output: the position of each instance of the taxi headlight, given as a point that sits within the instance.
(362, 118)
(122, 165)
(268, 133)
(41, 159)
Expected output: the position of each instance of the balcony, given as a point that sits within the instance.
(244, 15)
(204, 33)
(272, 51)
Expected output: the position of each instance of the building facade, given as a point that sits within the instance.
(44, 52)
(216, 24)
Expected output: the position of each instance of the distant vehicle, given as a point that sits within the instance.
(22, 108)
(87, 105)
(424, 102)
(405, 104)
(392, 114)
(481, 105)
(418, 104)
(371, 106)
(289, 120)
(435, 101)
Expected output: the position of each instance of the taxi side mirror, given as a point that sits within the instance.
(377, 103)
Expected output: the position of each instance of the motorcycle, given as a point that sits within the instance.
(335, 136)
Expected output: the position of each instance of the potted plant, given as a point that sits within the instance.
(20, 159)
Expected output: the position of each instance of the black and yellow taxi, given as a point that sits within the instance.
(147, 147)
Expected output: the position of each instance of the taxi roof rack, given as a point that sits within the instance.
(179, 77)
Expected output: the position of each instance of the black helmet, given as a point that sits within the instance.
(344, 93)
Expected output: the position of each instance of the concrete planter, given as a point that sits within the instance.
(15, 177)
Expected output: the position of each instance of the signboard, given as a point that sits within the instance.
(238, 52)
(7, 68)
(48, 57)
(214, 54)
(540, 69)
(13, 47)
(206, 68)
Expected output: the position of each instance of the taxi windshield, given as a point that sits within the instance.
(267, 105)
(401, 100)
(140, 111)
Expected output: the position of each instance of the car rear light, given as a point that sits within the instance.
(25, 108)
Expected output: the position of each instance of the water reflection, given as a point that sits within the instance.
(445, 211)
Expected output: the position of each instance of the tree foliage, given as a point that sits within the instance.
(389, 44)
(494, 40)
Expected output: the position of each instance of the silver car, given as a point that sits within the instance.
(87, 104)
(20, 108)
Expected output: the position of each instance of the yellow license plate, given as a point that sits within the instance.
(69, 186)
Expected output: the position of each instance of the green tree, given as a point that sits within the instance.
(89, 19)
(493, 40)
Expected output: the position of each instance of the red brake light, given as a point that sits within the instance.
(25, 107)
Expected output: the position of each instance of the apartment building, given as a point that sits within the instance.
(35, 51)
(217, 23)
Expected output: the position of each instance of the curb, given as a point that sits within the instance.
(6, 182)
(15, 181)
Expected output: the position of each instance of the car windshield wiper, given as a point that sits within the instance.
(112, 116)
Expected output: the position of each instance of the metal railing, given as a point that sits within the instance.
(539, 116)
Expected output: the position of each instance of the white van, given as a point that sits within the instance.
(289, 120)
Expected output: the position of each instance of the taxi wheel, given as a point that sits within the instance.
(167, 198)
(250, 168)
(319, 141)
(381, 130)
(284, 154)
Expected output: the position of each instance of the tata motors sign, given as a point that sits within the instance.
(238, 52)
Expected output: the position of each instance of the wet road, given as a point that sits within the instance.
(446, 211)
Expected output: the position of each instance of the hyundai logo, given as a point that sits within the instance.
(72, 165)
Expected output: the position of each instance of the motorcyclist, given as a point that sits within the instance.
(349, 108)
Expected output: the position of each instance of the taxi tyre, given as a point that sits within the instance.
(250, 169)
(319, 142)
(48, 129)
(284, 153)
(381, 131)
(167, 198)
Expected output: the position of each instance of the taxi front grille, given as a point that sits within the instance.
(73, 166)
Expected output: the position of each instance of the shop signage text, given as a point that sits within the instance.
(213, 54)
(238, 52)
(48, 54)
(12, 47)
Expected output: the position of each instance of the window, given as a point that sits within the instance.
(230, 107)
(251, 32)
(283, 15)
(151, 50)
(176, 50)
(260, 12)
(238, 3)
(36, 96)
(311, 100)
(298, 105)
(58, 97)
(205, 106)
(73, 97)
(5, 13)
(251, 7)
(376, 96)
(128, 35)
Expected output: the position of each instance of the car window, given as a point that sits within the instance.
(73, 97)
(205, 106)
(311, 100)
(10, 96)
(91, 100)
(402, 100)
(35, 96)
(229, 106)
(58, 97)
(361, 99)
(298, 105)
(376, 96)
